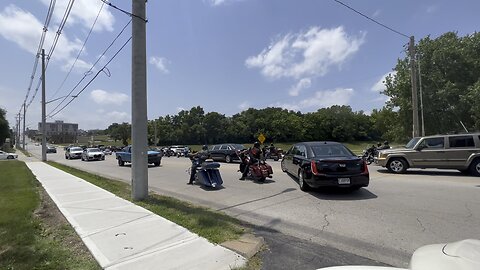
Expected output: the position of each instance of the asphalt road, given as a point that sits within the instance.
(384, 222)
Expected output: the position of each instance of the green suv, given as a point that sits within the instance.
(458, 151)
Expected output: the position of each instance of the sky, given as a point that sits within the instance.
(223, 55)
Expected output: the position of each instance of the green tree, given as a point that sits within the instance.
(4, 127)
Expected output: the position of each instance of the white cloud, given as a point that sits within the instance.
(302, 84)
(105, 98)
(321, 99)
(306, 54)
(380, 86)
(84, 13)
(160, 63)
(117, 117)
(244, 105)
(220, 2)
(26, 33)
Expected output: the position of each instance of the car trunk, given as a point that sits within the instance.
(338, 166)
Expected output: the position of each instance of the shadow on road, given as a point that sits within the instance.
(427, 172)
(256, 200)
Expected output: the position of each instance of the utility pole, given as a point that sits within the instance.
(139, 102)
(24, 116)
(421, 95)
(44, 128)
(411, 49)
(17, 129)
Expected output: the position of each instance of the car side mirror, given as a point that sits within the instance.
(421, 147)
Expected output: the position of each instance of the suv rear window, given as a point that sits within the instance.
(461, 141)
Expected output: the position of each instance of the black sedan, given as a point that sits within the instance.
(322, 164)
(225, 152)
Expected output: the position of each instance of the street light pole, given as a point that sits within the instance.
(139, 102)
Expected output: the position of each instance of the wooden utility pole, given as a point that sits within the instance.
(411, 49)
(44, 128)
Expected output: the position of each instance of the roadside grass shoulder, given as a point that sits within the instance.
(27, 241)
(214, 226)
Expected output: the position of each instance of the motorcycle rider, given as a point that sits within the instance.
(385, 146)
(197, 159)
(255, 154)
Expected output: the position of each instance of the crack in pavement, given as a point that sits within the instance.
(326, 221)
(419, 222)
(470, 214)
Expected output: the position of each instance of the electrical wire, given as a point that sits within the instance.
(98, 72)
(79, 52)
(54, 45)
(92, 67)
(124, 11)
(373, 20)
(48, 17)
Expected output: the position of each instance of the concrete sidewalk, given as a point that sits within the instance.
(122, 235)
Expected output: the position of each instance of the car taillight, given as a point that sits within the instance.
(314, 167)
(365, 167)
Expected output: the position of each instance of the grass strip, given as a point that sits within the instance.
(26, 239)
(214, 226)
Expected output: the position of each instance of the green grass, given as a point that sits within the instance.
(25, 152)
(25, 241)
(214, 226)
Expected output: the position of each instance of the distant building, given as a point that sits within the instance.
(60, 132)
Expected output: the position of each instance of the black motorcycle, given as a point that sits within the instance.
(208, 173)
(369, 154)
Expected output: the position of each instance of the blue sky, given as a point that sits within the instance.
(224, 55)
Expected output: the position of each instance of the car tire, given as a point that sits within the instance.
(464, 171)
(10, 157)
(121, 163)
(228, 159)
(301, 181)
(397, 165)
(156, 164)
(475, 167)
(103, 158)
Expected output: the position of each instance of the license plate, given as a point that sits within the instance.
(343, 181)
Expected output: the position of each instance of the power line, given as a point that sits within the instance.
(373, 20)
(98, 72)
(51, 8)
(91, 68)
(124, 11)
(54, 45)
(79, 52)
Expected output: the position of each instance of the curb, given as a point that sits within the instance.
(247, 245)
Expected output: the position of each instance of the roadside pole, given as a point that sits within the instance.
(24, 116)
(44, 129)
(415, 126)
(139, 102)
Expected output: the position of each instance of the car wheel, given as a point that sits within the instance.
(120, 162)
(282, 165)
(156, 164)
(228, 159)
(397, 165)
(103, 158)
(475, 167)
(301, 181)
(10, 157)
(464, 171)
(82, 158)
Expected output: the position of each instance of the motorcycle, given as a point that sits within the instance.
(207, 173)
(369, 154)
(275, 154)
(258, 171)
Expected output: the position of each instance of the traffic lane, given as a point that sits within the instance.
(387, 221)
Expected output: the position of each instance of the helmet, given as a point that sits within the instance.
(379, 144)
(204, 147)
(385, 142)
(256, 144)
(271, 144)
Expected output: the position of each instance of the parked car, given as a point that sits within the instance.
(93, 154)
(322, 164)
(51, 149)
(73, 152)
(456, 151)
(125, 155)
(107, 151)
(179, 150)
(5, 155)
(226, 152)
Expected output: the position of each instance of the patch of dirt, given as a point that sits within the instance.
(55, 226)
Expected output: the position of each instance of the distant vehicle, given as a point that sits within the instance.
(226, 152)
(73, 152)
(107, 151)
(37, 144)
(93, 154)
(51, 149)
(125, 155)
(5, 155)
(321, 164)
(459, 151)
(451, 256)
(178, 150)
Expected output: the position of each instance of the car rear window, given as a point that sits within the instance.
(461, 141)
(336, 150)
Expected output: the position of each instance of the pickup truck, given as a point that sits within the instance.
(125, 155)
